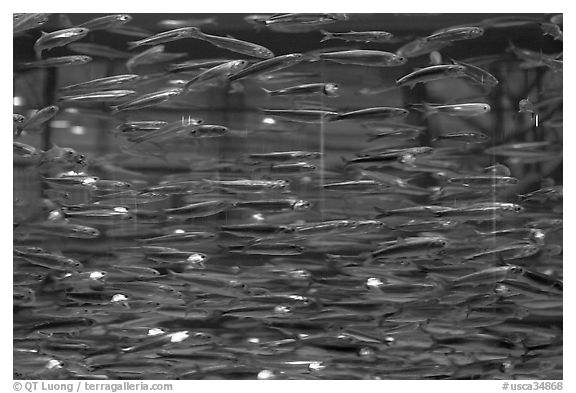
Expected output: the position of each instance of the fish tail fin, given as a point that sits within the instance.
(133, 44)
(444, 283)
(381, 212)
(114, 109)
(327, 35)
(268, 92)
(369, 91)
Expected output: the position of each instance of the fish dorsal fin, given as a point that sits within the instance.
(229, 36)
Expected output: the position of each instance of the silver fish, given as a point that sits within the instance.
(61, 61)
(376, 113)
(41, 116)
(455, 34)
(97, 50)
(218, 73)
(268, 66)
(275, 205)
(268, 249)
(234, 45)
(147, 100)
(371, 58)
(166, 36)
(107, 96)
(302, 115)
(432, 73)
(58, 38)
(358, 36)
(107, 22)
(327, 89)
(111, 82)
(461, 110)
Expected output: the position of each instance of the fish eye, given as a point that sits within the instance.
(516, 270)
(401, 58)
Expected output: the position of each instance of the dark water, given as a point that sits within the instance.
(426, 244)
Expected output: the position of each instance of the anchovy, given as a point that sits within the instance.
(268, 66)
(106, 22)
(148, 100)
(200, 209)
(166, 36)
(432, 73)
(268, 249)
(327, 89)
(275, 205)
(302, 115)
(234, 45)
(111, 82)
(97, 50)
(107, 96)
(371, 58)
(358, 36)
(218, 73)
(58, 38)
(61, 61)
(455, 34)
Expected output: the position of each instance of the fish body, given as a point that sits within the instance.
(28, 21)
(302, 115)
(304, 19)
(217, 73)
(376, 113)
(247, 185)
(106, 96)
(106, 22)
(464, 136)
(432, 73)
(49, 260)
(25, 151)
(148, 100)
(421, 46)
(482, 181)
(358, 36)
(268, 66)
(267, 249)
(327, 89)
(552, 30)
(166, 36)
(414, 247)
(371, 58)
(275, 205)
(200, 209)
(477, 74)
(459, 110)
(179, 23)
(234, 45)
(257, 230)
(97, 50)
(41, 116)
(65, 229)
(455, 34)
(281, 156)
(355, 185)
(184, 236)
(58, 38)
(61, 61)
(111, 82)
